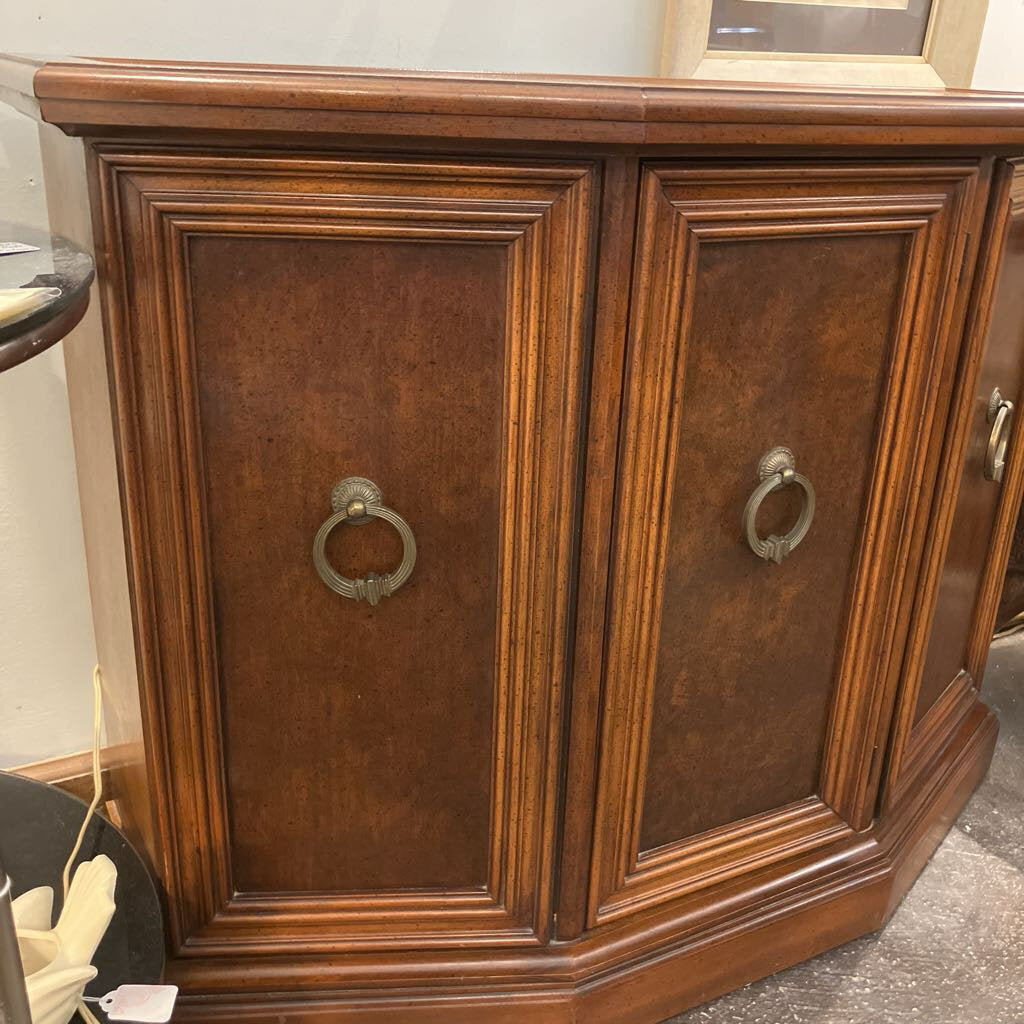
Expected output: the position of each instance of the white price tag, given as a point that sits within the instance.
(12, 248)
(144, 1004)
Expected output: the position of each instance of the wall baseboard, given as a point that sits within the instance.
(73, 773)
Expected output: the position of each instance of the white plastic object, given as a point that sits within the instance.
(58, 960)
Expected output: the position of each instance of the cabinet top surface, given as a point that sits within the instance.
(109, 97)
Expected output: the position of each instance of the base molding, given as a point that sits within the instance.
(73, 772)
(629, 975)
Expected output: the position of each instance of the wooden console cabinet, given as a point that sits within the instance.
(652, 707)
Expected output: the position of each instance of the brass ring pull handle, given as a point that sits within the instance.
(776, 469)
(1000, 413)
(356, 500)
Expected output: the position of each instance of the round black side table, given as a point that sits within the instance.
(38, 827)
(56, 264)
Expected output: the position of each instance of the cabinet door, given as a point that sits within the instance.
(804, 307)
(977, 504)
(334, 773)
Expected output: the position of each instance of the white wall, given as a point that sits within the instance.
(46, 649)
(46, 644)
(1001, 54)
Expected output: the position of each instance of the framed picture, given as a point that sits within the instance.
(897, 43)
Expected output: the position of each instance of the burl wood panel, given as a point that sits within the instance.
(949, 648)
(746, 702)
(331, 772)
(358, 739)
(788, 344)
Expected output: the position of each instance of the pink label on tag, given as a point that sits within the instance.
(144, 1004)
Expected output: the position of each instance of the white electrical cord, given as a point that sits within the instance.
(97, 793)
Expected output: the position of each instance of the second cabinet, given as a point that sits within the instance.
(792, 336)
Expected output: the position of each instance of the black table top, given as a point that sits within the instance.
(56, 263)
(38, 827)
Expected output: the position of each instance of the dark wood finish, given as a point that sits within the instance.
(787, 305)
(312, 319)
(315, 358)
(104, 97)
(558, 321)
(618, 225)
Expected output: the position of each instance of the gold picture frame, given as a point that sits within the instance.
(947, 60)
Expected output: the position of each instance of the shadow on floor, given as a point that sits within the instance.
(953, 953)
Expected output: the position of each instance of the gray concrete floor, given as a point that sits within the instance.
(953, 953)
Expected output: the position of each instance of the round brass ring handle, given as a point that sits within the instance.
(776, 469)
(999, 414)
(356, 501)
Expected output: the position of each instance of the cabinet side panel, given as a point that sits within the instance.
(93, 432)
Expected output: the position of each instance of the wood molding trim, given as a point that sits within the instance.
(682, 208)
(73, 772)
(100, 97)
(640, 970)
(534, 212)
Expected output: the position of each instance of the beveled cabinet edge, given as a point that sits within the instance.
(545, 375)
(602, 410)
(91, 96)
(914, 745)
(851, 765)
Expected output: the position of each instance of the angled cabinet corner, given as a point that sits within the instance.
(977, 503)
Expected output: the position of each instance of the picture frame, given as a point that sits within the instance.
(949, 51)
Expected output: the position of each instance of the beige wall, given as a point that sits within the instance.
(46, 645)
(1001, 55)
(46, 648)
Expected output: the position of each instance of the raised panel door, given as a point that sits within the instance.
(804, 306)
(336, 774)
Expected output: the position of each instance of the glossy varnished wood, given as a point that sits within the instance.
(557, 320)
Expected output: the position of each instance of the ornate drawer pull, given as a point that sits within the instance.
(1000, 414)
(776, 469)
(356, 500)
